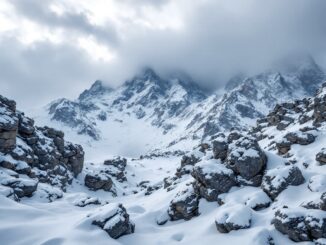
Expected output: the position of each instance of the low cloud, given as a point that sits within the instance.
(208, 39)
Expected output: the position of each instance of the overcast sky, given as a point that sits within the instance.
(56, 48)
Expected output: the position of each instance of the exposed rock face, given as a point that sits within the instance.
(278, 179)
(301, 225)
(146, 96)
(246, 159)
(229, 218)
(321, 156)
(8, 124)
(98, 181)
(319, 106)
(212, 178)
(184, 205)
(300, 138)
(119, 163)
(41, 153)
(220, 148)
(114, 219)
(21, 187)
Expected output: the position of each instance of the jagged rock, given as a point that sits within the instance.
(114, 219)
(21, 187)
(25, 125)
(278, 179)
(212, 178)
(118, 162)
(300, 138)
(97, 181)
(319, 106)
(234, 135)
(184, 205)
(220, 148)
(321, 156)
(189, 160)
(187, 163)
(246, 158)
(8, 125)
(283, 146)
(300, 224)
(235, 217)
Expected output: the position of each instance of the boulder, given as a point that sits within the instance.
(301, 138)
(317, 183)
(184, 205)
(98, 181)
(278, 179)
(247, 159)
(114, 220)
(301, 224)
(220, 148)
(21, 187)
(118, 162)
(234, 217)
(212, 178)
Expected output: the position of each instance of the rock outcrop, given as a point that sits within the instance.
(39, 153)
(114, 220)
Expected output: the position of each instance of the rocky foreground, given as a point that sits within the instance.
(266, 185)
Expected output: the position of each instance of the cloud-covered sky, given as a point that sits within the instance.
(57, 48)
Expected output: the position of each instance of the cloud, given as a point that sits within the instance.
(40, 12)
(223, 37)
(37, 74)
(208, 39)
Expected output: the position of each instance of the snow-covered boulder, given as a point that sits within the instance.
(253, 197)
(247, 159)
(22, 187)
(278, 179)
(212, 179)
(184, 205)
(233, 217)
(96, 181)
(300, 138)
(114, 219)
(301, 224)
(85, 201)
(317, 183)
(188, 161)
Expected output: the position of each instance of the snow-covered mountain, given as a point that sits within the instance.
(264, 186)
(150, 112)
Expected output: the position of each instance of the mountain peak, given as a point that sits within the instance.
(97, 88)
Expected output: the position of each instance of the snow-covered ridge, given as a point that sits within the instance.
(176, 111)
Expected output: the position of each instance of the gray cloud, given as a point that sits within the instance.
(218, 38)
(40, 12)
(37, 74)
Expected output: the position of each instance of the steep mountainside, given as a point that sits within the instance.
(176, 112)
